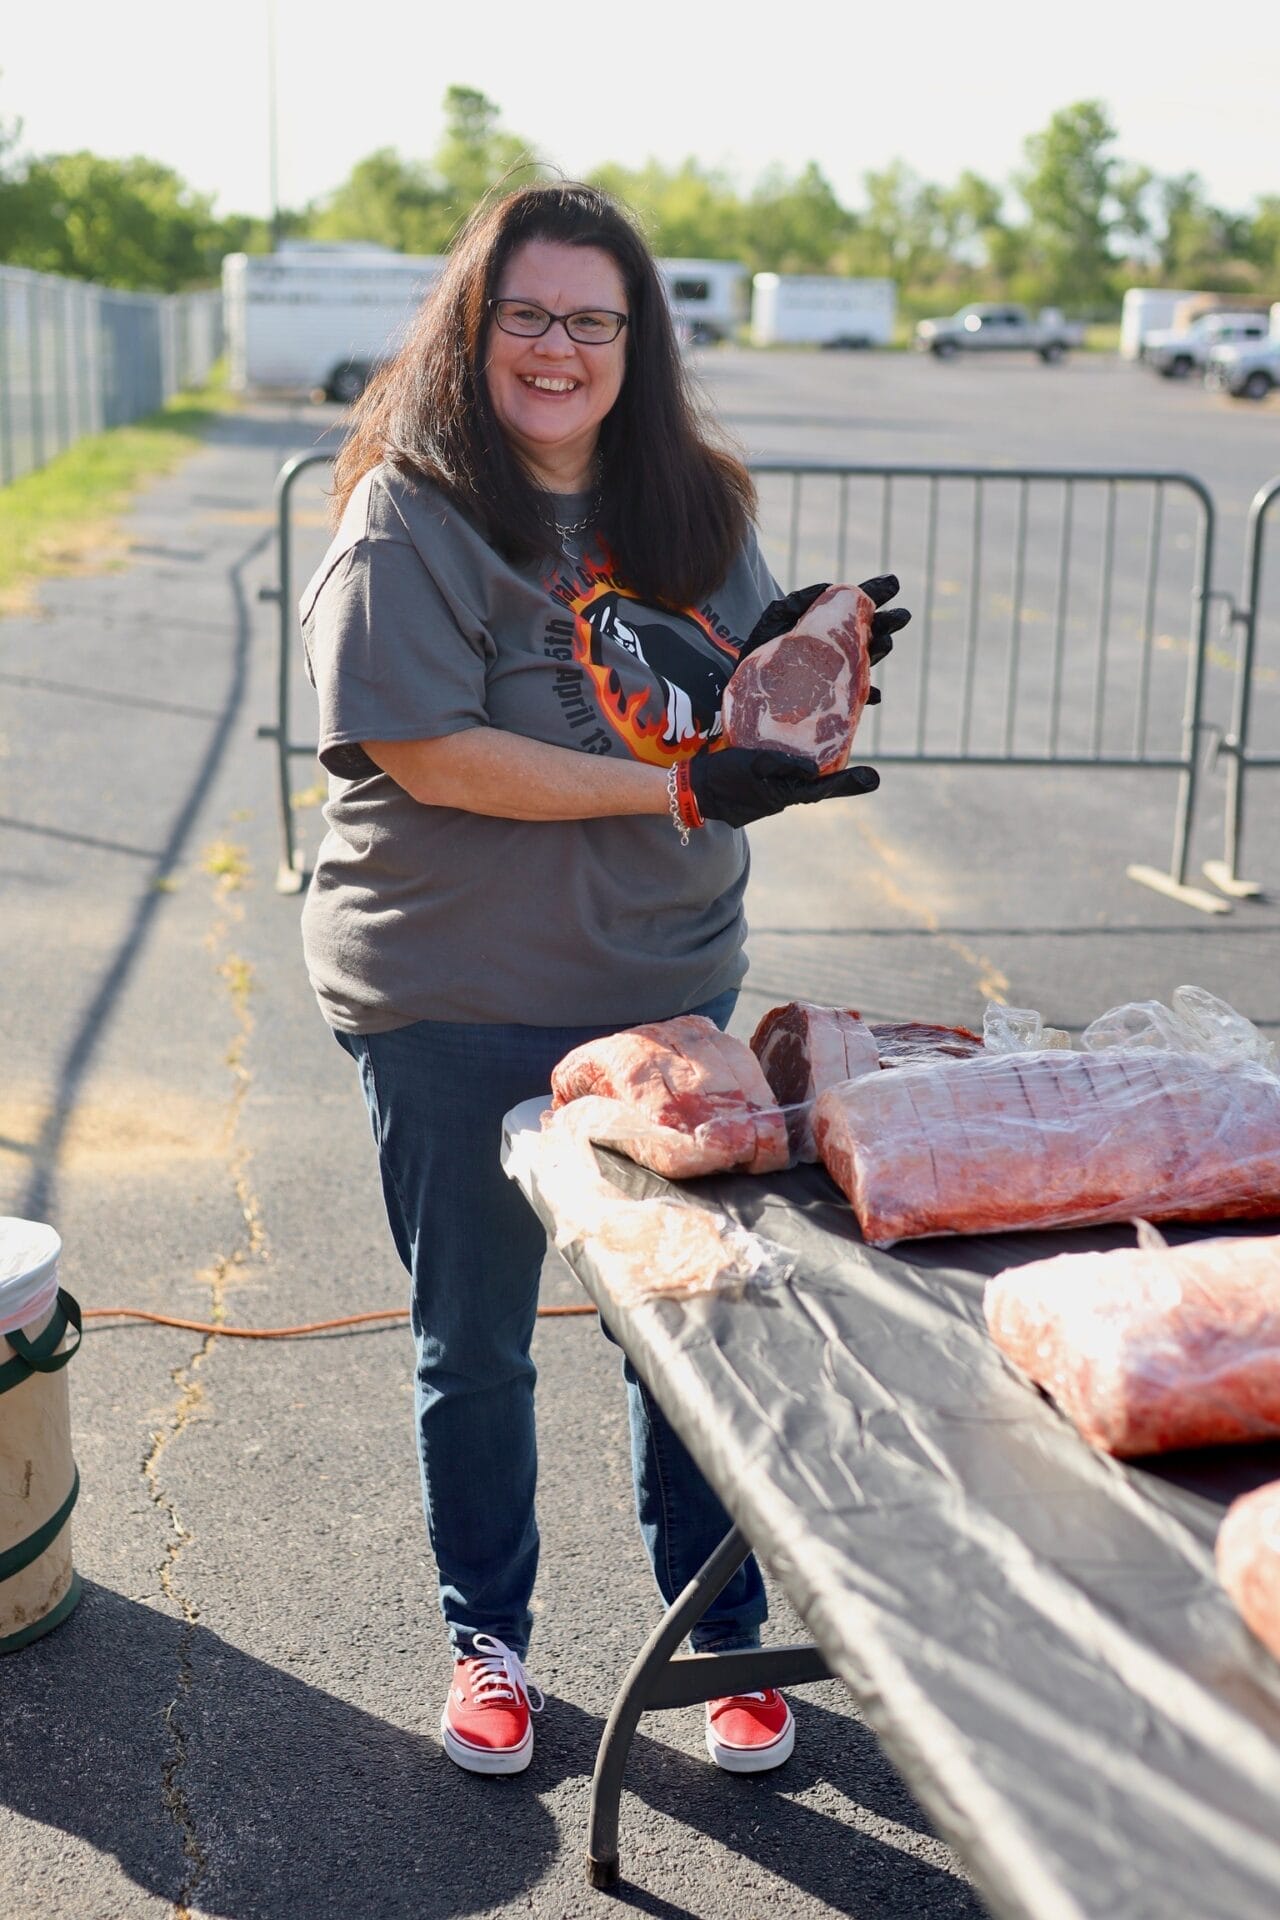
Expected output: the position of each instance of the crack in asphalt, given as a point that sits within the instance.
(237, 974)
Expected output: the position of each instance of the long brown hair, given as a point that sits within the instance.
(675, 504)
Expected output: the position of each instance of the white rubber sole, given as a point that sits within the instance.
(486, 1759)
(753, 1759)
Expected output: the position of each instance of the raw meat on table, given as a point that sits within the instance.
(700, 1101)
(1248, 1560)
(1053, 1139)
(804, 692)
(803, 1049)
(902, 1043)
(1152, 1347)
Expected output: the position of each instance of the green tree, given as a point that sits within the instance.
(1131, 193)
(689, 212)
(416, 206)
(901, 234)
(475, 155)
(1264, 238)
(794, 225)
(1068, 191)
(388, 201)
(127, 223)
(1200, 244)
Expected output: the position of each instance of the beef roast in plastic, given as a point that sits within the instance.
(804, 692)
(1153, 1347)
(707, 1104)
(1053, 1139)
(1248, 1560)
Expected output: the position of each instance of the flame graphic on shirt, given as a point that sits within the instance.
(678, 659)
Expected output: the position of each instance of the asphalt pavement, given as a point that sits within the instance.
(240, 1720)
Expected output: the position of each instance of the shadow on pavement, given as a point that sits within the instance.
(36, 1201)
(222, 1783)
(225, 1784)
(827, 1858)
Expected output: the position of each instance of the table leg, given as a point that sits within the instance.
(656, 1680)
(634, 1695)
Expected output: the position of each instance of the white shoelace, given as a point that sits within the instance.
(498, 1676)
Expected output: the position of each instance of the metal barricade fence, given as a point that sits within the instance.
(1052, 609)
(1252, 673)
(76, 358)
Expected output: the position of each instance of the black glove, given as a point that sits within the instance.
(781, 615)
(742, 784)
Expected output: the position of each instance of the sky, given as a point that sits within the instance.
(940, 84)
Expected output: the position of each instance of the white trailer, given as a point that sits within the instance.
(821, 310)
(1148, 310)
(319, 318)
(708, 297)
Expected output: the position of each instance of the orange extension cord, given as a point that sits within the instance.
(279, 1333)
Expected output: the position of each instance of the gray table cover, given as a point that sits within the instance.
(1035, 1631)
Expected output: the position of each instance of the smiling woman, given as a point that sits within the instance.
(544, 573)
(554, 377)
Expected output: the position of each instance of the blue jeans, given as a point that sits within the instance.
(436, 1093)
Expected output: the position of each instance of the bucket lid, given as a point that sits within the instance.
(27, 1254)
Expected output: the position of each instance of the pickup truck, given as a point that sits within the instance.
(1175, 355)
(987, 329)
(1247, 369)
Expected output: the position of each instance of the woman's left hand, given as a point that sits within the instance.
(781, 615)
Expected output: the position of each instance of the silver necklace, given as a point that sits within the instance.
(577, 526)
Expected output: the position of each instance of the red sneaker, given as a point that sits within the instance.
(486, 1726)
(750, 1732)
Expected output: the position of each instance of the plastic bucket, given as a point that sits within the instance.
(38, 1478)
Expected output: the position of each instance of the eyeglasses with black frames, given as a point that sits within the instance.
(592, 327)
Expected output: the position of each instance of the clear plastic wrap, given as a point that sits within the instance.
(661, 1247)
(1150, 1348)
(1052, 1139)
(1196, 1022)
(705, 1104)
(1248, 1561)
(1019, 1030)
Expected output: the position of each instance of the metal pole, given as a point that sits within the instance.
(272, 129)
(7, 467)
(1195, 693)
(615, 1744)
(1237, 745)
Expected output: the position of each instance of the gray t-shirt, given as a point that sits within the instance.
(414, 628)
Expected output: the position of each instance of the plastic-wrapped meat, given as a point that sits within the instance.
(640, 1248)
(804, 1049)
(905, 1043)
(804, 692)
(699, 1099)
(1150, 1348)
(1248, 1560)
(1053, 1139)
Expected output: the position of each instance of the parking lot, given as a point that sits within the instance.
(240, 1719)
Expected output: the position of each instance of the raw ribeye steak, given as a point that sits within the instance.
(805, 1049)
(1150, 1348)
(701, 1102)
(1248, 1560)
(905, 1043)
(804, 692)
(1053, 1139)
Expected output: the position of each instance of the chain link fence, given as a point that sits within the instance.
(77, 358)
